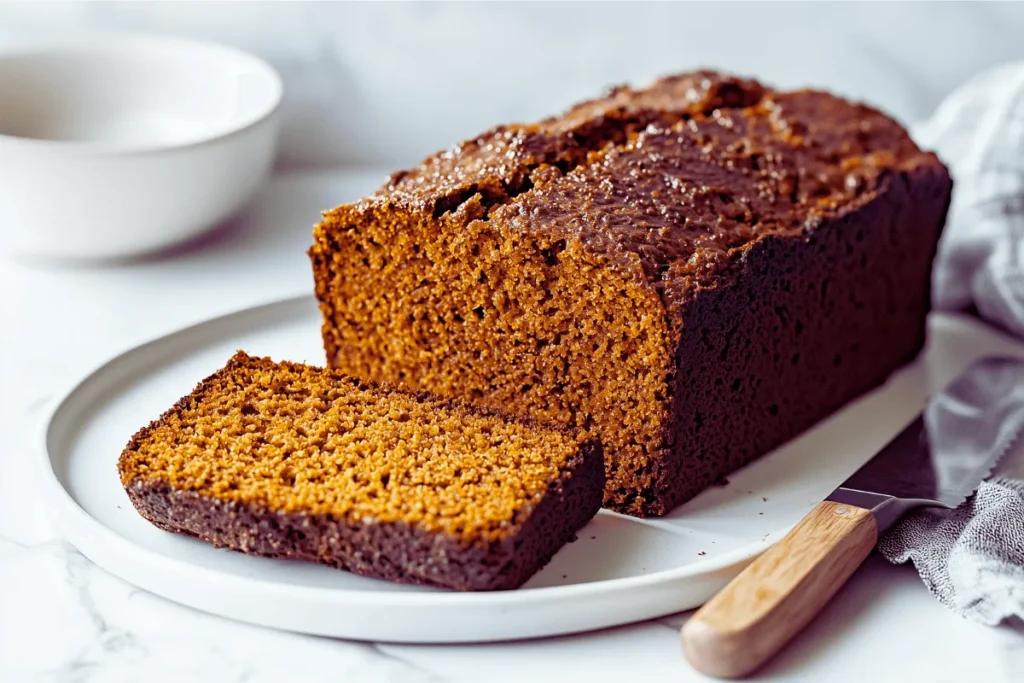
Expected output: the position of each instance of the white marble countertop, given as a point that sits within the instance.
(64, 619)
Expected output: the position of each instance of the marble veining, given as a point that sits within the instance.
(64, 619)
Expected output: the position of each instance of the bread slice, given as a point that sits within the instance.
(291, 461)
(695, 271)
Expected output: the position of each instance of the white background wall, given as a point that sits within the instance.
(387, 83)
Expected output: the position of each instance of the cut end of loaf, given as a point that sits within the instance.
(523, 323)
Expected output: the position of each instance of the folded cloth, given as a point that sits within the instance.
(972, 558)
(978, 131)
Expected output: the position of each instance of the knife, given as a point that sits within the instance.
(939, 459)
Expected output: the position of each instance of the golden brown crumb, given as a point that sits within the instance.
(442, 308)
(295, 438)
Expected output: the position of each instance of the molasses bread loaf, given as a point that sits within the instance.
(291, 461)
(696, 271)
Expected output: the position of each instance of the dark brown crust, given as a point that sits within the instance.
(804, 325)
(498, 164)
(393, 551)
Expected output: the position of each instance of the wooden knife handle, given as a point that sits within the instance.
(780, 592)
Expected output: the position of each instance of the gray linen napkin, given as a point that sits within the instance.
(972, 558)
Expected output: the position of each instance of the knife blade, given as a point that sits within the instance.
(939, 459)
(942, 457)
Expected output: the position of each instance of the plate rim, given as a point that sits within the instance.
(113, 551)
(137, 563)
(56, 490)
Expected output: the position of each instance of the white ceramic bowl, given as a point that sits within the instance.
(115, 145)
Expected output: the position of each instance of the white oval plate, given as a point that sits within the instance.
(620, 569)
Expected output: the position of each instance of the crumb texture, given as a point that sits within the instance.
(290, 461)
(295, 439)
(695, 272)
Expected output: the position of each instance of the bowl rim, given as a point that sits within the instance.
(115, 41)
